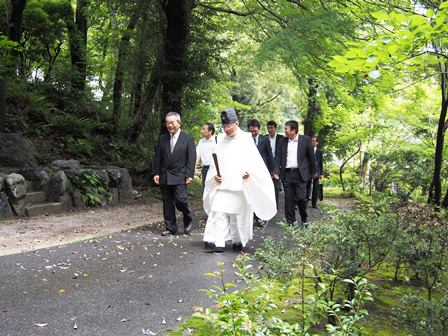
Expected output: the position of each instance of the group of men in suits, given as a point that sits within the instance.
(292, 159)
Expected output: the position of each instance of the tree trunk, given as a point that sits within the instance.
(2, 105)
(134, 130)
(77, 31)
(16, 8)
(140, 61)
(341, 168)
(441, 128)
(178, 15)
(313, 108)
(119, 71)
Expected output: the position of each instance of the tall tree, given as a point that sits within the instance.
(77, 28)
(168, 70)
(2, 105)
(15, 14)
(178, 19)
(120, 67)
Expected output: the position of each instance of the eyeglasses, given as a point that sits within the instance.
(228, 125)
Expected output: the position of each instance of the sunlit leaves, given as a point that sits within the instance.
(375, 74)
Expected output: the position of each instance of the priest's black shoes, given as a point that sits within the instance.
(168, 233)
(238, 247)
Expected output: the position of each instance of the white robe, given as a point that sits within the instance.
(236, 197)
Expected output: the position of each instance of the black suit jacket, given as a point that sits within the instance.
(174, 168)
(319, 161)
(278, 137)
(264, 147)
(306, 161)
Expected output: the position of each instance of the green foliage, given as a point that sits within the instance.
(423, 317)
(93, 188)
(422, 244)
(261, 307)
(351, 312)
(279, 258)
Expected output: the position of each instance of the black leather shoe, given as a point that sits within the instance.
(218, 249)
(238, 247)
(168, 233)
(209, 246)
(188, 228)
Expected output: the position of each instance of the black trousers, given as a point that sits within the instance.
(204, 172)
(295, 195)
(276, 189)
(313, 188)
(175, 196)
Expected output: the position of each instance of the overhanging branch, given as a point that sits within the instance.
(226, 10)
(269, 100)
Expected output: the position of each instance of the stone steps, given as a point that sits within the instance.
(35, 197)
(36, 203)
(38, 209)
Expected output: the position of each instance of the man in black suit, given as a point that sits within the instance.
(264, 148)
(294, 155)
(274, 139)
(315, 190)
(174, 165)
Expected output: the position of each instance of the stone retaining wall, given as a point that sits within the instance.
(60, 181)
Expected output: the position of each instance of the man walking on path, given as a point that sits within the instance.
(265, 150)
(274, 139)
(206, 146)
(315, 183)
(239, 186)
(295, 157)
(174, 165)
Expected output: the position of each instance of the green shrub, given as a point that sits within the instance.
(93, 188)
(422, 317)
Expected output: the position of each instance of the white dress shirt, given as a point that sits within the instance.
(291, 158)
(205, 149)
(273, 141)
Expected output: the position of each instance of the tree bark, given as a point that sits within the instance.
(2, 105)
(134, 130)
(178, 16)
(119, 71)
(441, 128)
(77, 31)
(16, 8)
(341, 168)
(140, 61)
(313, 108)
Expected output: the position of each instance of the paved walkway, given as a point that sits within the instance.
(128, 283)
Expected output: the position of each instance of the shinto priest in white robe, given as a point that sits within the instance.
(230, 205)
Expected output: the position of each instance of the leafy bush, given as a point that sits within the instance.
(93, 188)
(279, 258)
(260, 308)
(422, 317)
(422, 244)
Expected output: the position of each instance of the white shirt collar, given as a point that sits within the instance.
(296, 139)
